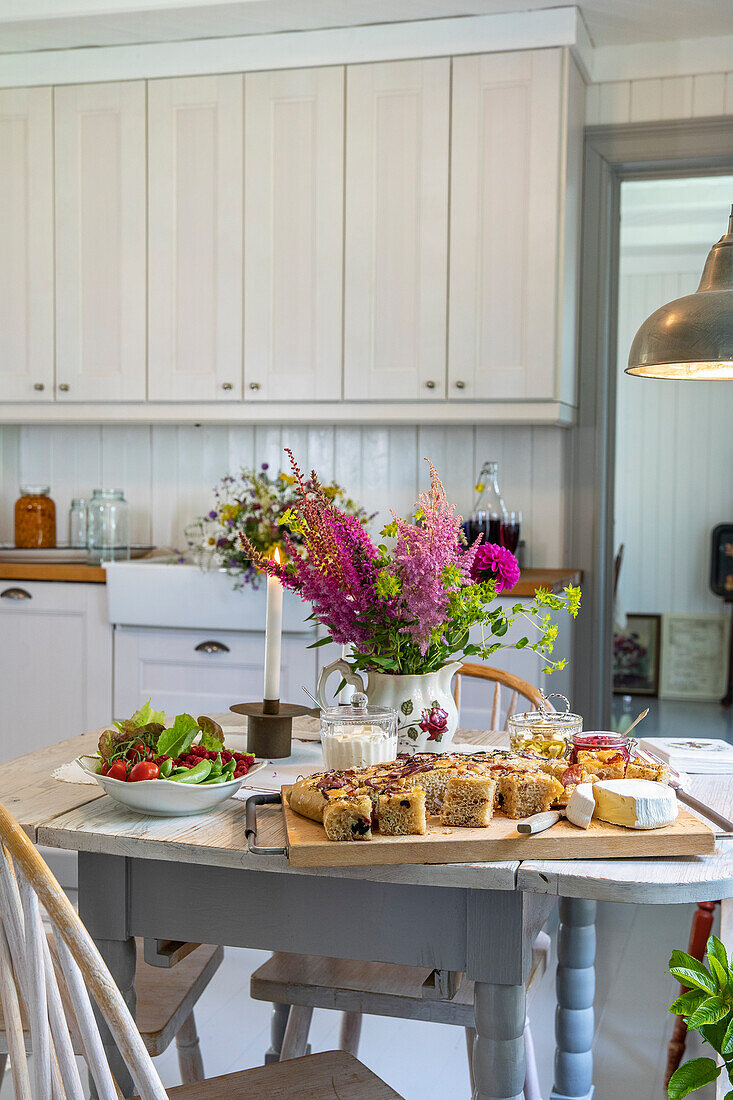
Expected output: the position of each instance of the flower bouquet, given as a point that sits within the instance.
(406, 605)
(252, 505)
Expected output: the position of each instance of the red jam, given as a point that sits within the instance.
(600, 742)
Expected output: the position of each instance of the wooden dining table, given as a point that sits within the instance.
(195, 879)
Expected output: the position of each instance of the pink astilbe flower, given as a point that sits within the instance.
(495, 561)
(424, 552)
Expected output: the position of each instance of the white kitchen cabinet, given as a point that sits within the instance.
(55, 663)
(200, 671)
(293, 232)
(395, 278)
(195, 238)
(101, 281)
(26, 244)
(517, 125)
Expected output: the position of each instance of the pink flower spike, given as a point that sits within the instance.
(490, 558)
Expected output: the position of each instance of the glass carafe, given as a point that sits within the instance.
(108, 531)
(489, 512)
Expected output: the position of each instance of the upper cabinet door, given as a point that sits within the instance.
(397, 133)
(293, 232)
(26, 245)
(195, 239)
(100, 242)
(505, 225)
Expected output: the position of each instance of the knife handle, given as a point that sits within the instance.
(537, 823)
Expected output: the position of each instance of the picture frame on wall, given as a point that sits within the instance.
(636, 656)
(694, 657)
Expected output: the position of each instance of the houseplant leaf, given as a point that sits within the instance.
(716, 949)
(691, 972)
(692, 1076)
(709, 1011)
(686, 1004)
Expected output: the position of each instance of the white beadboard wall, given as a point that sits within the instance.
(674, 453)
(168, 472)
(621, 101)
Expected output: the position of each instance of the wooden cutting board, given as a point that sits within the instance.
(308, 845)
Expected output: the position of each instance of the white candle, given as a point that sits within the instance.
(273, 635)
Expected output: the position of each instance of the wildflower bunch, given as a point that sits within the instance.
(406, 605)
(255, 505)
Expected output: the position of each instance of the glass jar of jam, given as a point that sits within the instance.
(35, 518)
(547, 732)
(601, 741)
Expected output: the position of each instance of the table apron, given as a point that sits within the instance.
(487, 934)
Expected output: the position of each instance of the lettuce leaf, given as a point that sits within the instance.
(212, 735)
(145, 716)
(179, 738)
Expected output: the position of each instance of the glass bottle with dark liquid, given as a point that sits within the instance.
(489, 514)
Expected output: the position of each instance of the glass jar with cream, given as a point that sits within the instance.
(358, 734)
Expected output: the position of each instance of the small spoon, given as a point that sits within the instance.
(318, 705)
(636, 721)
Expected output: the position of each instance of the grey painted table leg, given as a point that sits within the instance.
(575, 984)
(278, 1023)
(121, 958)
(498, 1049)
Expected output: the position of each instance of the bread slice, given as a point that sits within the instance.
(469, 801)
(642, 769)
(402, 813)
(527, 793)
(348, 818)
(603, 763)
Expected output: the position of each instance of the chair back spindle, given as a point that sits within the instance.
(56, 999)
(520, 689)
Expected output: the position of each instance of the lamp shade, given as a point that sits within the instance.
(692, 337)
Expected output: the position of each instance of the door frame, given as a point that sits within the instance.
(612, 154)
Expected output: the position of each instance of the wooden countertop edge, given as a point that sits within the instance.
(71, 571)
(532, 579)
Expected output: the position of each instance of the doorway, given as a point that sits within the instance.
(673, 470)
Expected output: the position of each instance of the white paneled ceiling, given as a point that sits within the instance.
(60, 24)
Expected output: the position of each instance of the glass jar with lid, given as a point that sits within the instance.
(545, 731)
(358, 734)
(108, 531)
(35, 518)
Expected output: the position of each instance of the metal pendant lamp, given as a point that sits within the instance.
(692, 337)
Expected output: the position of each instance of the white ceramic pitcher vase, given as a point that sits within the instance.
(410, 696)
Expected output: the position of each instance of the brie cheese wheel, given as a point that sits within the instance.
(635, 803)
(581, 805)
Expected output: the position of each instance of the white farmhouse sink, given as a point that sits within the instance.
(147, 593)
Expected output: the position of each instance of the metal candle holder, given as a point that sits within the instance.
(270, 726)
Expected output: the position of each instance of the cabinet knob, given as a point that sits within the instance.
(212, 647)
(227, 386)
(38, 386)
(15, 594)
(430, 385)
(460, 385)
(64, 387)
(254, 385)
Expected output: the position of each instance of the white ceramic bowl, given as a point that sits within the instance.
(162, 799)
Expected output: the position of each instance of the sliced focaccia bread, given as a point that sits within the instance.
(469, 801)
(402, 813)
(348, 818)
(522, 794)
(603, 763)
(643, 769)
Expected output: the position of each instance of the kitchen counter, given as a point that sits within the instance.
(77, 572)
(531, 580)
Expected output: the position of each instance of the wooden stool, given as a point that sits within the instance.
(306, 982)
(334, 1073)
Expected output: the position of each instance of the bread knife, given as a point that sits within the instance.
(537, 823)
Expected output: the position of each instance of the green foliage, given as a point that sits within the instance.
(707, 1007)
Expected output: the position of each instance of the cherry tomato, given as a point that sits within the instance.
(144, 769)
(104, 769)
(118, 770)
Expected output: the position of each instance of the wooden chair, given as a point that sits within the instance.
(499, 678)
(49, 984)
(306, 982)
